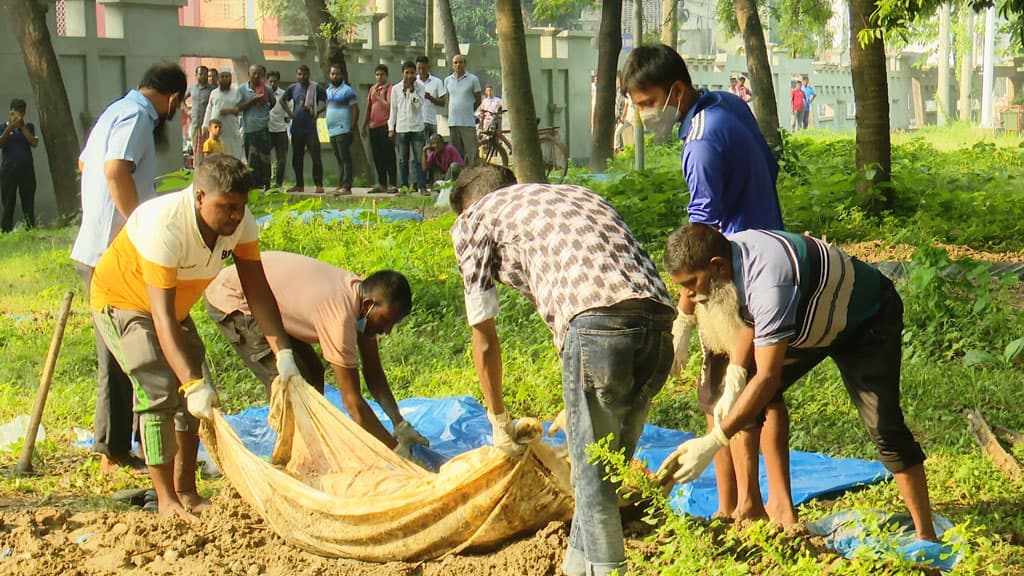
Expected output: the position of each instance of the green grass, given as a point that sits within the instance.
(976, 192)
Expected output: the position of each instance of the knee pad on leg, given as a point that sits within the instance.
(158, 441)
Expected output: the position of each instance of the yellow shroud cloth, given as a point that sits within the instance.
(333, 489)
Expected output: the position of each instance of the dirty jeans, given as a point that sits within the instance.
(614, 360)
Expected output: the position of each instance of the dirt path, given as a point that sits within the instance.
(229, 539)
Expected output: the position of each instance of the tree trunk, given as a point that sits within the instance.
(609, 44)
(28, 19)
(518, 94)
(328, 49)
(966, 56)
(451, 38)
(761, 84)
(871, 94)
(669, 23)
(942, 68)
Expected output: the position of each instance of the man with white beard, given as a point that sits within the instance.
(801, 301)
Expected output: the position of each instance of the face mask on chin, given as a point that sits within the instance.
(361, 321)
(660, 121)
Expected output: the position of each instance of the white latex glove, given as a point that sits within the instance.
(503, 434)
(692, 457)
(407, 436)
(732, 385)
(682, 329)
(286, 367)
(558, 424)
(200, 398)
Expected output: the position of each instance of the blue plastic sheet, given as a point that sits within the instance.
(849, 533)
(459, 424)
(355, 215)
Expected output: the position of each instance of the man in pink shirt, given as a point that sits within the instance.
(325, 305)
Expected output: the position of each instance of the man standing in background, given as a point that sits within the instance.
(18, 172)
(342, 117)
(809, 95)
(255, 102)
(303, 101)
(118, 170)
(463, 98)
(433, 93)
(223, 106)
(278, 125)
(196, 100)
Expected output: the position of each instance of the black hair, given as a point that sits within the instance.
(477, 181)
(381, 68)
(653, 65)
(223, 174)
(390, 288)
(692, 246)
(202, 67)
(216, 121)
(408, 65)
(165, 78)
(18, 104)
(274, 73)
(303, 68)
(423, 59)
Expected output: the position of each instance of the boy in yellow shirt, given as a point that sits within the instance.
(213, 144)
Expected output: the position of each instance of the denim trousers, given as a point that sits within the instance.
(410, 146)
(614, 360)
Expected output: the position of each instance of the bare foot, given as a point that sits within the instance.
(193, 502)
(748, 516)
(784, 515)
(171, 508)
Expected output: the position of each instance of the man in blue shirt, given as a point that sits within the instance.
(18, 174)
(731, 172)
(255, 99)
(794, 300)
(809, 96)
(118, 169)
(342, 115)
(303, 101)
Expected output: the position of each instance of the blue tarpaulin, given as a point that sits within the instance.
(459, 424)
(354, 215)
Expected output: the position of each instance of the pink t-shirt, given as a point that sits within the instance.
(319, 303)
(378, 112)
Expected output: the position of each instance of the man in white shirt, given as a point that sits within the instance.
(463, 98)
(433, 94)
(223, 106)
(405, 126)
(489, 108)
(278, 128)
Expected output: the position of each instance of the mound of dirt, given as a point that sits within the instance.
(229, 539)
(880, 251)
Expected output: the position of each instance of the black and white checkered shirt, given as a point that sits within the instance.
(563, 247)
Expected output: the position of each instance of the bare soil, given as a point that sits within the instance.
(229, 539)
(880, 251)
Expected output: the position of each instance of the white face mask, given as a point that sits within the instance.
(361, 322)
(660, 121)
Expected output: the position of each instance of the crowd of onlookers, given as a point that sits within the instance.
(256, 120)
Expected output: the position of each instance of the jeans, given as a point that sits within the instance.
(410, 146)
(342, 147)
(614, 360)
(299, 145)
(279, 140)
(18, 180)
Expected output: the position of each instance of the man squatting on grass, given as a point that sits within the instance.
(570, 253)
(325, 305)
(155, 270)
(791, 301)
(730, 171)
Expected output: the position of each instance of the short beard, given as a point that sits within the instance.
(718, 317)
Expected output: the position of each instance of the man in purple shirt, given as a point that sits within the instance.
(441, 158)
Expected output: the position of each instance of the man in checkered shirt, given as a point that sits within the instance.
(570, 253)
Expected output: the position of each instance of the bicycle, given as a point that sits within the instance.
(556, 161)
(493, 144)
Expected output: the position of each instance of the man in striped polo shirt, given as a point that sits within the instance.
(568, 251)
(794, 300)
(155, 270)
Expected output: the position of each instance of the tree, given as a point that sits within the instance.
(609, 44)
(669, 23)
(765, 106)
(515, 80)
(451, 37)
(871, 95)
(28, 19)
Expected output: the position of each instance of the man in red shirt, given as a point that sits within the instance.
(375, 125)
(440, 158)
(797, 98)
